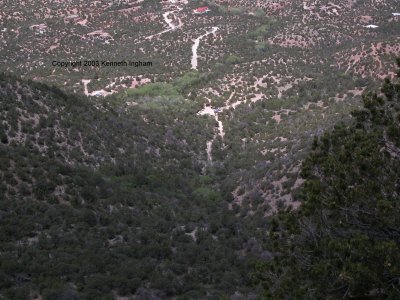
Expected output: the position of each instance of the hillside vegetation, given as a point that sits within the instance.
(111, 200)
(100, 201)
(344, 241)
(284, 71)
(145, 148)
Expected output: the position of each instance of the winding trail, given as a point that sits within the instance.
(221, 133)
(169, 22)
(208, 110)
(85, 84)
(196, 46)
(97, 93)
(209, 149)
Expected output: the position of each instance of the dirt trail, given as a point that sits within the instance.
(97, 93)
(85, 88)
(221, 133)
(196, 43)
(209, 148)
(169, 21)
(208, 110)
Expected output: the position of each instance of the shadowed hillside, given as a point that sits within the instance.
(106, 201)
(344, 241)
(146, 146)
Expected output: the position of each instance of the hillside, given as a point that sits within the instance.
(279, 72)
(344, 241)
(97, 202)
(146, 147)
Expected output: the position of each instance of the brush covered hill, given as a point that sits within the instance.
(281, 71)
(271, 74)
(344, 241)
(106, 201)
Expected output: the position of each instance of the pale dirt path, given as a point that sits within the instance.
(196, 43)
(220, 127)
(85, 83)
(97, 93)
(208, 110)
(209, 148)
(221, 133)
(169, 22)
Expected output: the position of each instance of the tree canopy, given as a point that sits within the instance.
(344, 242)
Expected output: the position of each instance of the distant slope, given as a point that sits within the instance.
(288, 69)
